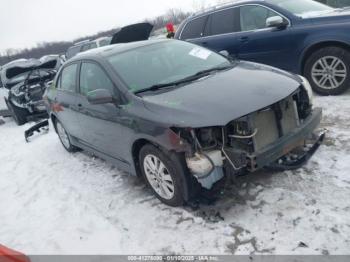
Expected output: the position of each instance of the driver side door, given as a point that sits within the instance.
(262, 44)
(101, 124)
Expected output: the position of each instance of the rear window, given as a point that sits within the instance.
(194, 28)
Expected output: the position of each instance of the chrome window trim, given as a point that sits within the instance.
(232, 7)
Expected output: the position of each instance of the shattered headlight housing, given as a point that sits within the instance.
(200, 165)
(308, 88)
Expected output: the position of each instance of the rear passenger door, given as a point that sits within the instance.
(193, 31)
(220, 31)
(216, 31)
(65, 99)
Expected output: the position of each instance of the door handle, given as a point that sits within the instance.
(205, 43)
(244, 39)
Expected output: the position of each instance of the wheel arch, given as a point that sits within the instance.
(135, 151)
(53, 120)
(316, 46)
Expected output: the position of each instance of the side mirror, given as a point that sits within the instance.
(276, 21)
(225, 53)
(100, 96)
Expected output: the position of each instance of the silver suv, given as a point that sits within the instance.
(87, 45)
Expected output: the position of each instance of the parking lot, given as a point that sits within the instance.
(55, 202)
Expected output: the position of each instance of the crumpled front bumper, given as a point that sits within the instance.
(285, 144)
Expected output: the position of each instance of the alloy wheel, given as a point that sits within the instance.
(329, 72)
(158, 177)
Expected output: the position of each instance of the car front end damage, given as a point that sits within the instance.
(279, 136)
(27, 81)
(29, 97)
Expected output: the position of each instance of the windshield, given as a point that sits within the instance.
(163, 62)
(302, 8)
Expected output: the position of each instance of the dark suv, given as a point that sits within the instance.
(181, 115)
(301, 36)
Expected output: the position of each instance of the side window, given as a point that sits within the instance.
(93, 45)
(104, 42)
(72, 51)
(92, 77)
(67, 80)
(253, 17)
(222, 22)
(194, 28)
(85, 47)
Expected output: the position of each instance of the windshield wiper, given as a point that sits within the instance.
(191, 78)
(210, 70)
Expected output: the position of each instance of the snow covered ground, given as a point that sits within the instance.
(53, 202)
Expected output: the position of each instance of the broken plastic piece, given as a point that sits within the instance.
(36, 128)
(207, 167)
(299, 161)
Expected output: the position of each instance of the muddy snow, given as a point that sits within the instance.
(53, 202)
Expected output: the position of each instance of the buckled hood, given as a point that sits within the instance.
(218, 99)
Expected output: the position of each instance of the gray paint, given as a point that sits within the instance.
(111, 130)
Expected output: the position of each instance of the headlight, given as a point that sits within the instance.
(308, 88)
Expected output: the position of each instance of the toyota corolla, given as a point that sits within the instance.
(182, 116)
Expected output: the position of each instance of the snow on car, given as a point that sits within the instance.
(56, 203)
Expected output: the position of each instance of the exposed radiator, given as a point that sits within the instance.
(267, 123)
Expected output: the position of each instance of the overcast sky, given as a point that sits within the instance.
(24, 23)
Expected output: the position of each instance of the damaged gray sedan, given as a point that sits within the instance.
(181, 116)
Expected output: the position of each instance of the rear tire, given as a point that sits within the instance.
(64, 137)
(19, 114)
(328, 70)
(164, 174)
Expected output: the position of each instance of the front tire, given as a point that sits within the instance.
(163, 175)
(328, 70)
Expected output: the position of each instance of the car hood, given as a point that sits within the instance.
(220, 98)
(132, 33)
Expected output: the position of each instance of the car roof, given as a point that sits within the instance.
(110, 50)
